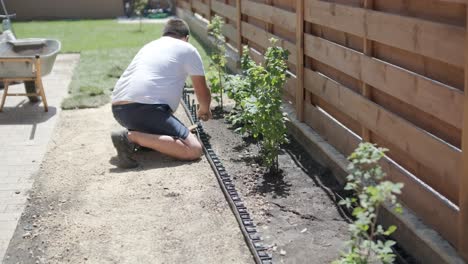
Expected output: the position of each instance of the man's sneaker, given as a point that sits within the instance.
(124, 148)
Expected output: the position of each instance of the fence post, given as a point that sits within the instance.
(209, 11)
(463, 191)
(365, 88)
(300, 60)
(239, 27)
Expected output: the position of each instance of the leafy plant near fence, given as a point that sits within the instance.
(239, 87)
(258, 97)
(217, 70)
(371, 192)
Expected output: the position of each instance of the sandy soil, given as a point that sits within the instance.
(82, 209)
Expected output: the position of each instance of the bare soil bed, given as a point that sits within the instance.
(296, 211)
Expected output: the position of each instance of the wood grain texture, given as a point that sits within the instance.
(300, 59)
(270, 14)
(201, 7)
(463, 193)
(184, 5)
(366, 89)
(439, 100)
(262, 37)
(419, 145)
(391, 72)
(230, 32)
(435, 40)
(239, 27)
(224, 10)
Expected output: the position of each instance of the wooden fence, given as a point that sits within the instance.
(388, 72)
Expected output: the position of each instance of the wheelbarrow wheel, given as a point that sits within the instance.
(31, 88)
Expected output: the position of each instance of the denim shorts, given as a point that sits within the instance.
(150, 118)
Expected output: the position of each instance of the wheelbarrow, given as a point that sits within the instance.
(9, 35)
(24, 60)
(27, 60)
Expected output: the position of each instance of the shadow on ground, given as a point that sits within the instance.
(26, 113)
(150, 160)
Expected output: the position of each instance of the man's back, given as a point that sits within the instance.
(150, 88)
(158, 72)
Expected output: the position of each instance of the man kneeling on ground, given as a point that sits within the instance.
(149, 91)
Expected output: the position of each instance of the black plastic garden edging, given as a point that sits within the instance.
(246, 224)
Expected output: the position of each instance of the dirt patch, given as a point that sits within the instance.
(296, 211)
(84, 210)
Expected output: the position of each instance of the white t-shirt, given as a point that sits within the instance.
(158, 72)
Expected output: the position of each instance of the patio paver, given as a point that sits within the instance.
(25, 131)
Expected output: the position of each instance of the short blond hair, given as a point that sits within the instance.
(176, 27)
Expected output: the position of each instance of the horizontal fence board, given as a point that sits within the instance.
(450, 75)
(433, 10)
(437, 155)
(338, 17)
(435, 40)
(423, 201)
(422, 171)
(345, 39)
(262, 38)
(201, 7)
(439, 100)
(340, 137)
(431, 124)
(224, 10)
(184, 5)
(270, 14)
(337, 114)
(230, 32)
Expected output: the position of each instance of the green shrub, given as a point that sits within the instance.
(239, 87)
(262, 111)
(371, 192)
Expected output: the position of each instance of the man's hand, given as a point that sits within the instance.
(204, 114)
(204, 97)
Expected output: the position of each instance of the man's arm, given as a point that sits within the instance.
(203, 96)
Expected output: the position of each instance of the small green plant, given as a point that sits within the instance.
(139, 7)
(217, 70)
(366, 180)
(262, 108)
(239, 87)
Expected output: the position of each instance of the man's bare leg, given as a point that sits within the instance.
(188, 149)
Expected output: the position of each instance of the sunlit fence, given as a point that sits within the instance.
(388, 72)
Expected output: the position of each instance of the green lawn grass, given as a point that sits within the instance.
(106, 49)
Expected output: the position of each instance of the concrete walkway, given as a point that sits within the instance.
(25, 131)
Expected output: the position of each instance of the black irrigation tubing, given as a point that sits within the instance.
(246, 224)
